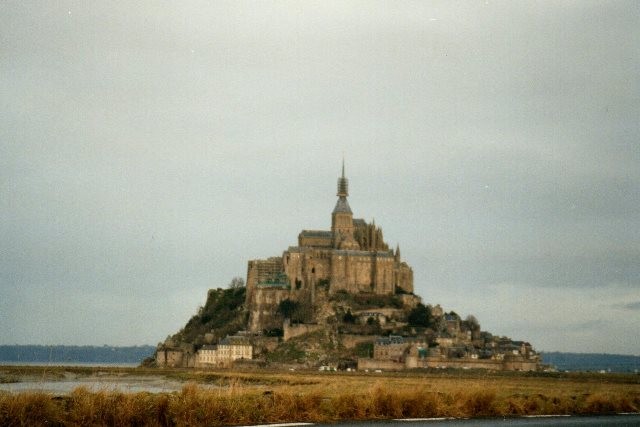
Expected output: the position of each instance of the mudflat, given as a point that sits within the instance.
(226, 397)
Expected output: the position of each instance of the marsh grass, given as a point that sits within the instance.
(264, 397)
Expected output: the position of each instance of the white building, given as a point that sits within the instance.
(223, 354)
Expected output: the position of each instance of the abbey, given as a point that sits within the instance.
(352, 257)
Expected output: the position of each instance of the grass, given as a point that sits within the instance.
(262, 397)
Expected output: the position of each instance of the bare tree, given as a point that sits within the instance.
(473, 323)
(236, 283)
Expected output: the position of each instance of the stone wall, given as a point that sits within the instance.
(174, 358)
(521, 364)
(413, 361)
(468, 363)
(358, 271)
(291, 331)
(405, 277)
(384, 275)
(385, 365)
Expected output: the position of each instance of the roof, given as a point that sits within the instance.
(209, 347)
(316, 233)
(391, 339)
(379, 254)
(342, 206)
(235, 340)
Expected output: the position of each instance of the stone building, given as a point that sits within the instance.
(390, 348)
(352, 257)
(176, 357)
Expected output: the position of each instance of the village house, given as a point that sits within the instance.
(390, 348)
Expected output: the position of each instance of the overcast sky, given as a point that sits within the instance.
(148, 150)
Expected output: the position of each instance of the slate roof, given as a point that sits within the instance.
(342, 206)
(391, 339)
(316, 233)
(209, 347)
(235, 340)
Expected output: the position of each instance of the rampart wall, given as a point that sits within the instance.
(373, 364)
(437, 362)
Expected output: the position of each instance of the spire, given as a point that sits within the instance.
(343, 184)
(342, 217)
(343, 191)
(398, 251)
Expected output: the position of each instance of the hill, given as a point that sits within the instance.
(352, 327)
(73, 354)
(592, 362)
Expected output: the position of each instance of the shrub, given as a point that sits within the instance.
(420, 316)
(287, 307)
(348, 317)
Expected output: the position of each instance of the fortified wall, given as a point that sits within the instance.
(434, 362)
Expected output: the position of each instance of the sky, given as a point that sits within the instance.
(148, 150)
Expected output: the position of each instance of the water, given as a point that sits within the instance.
(127, 385)
(96, 381)
(71, 364)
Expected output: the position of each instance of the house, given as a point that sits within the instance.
(392, 348)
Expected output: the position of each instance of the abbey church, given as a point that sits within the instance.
(352, 257)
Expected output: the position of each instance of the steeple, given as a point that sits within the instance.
(343, 184)
(342, 217)
(342, 206)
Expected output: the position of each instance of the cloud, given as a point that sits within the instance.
(633, 306)
(160, 149)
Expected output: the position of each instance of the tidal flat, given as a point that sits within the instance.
(114, 396)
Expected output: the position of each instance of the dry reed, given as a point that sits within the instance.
(326, 399)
